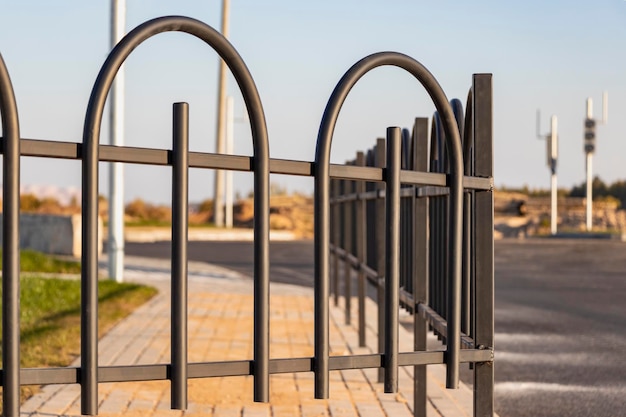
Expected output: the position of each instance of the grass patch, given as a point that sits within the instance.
(50, 316)
(50, 313)
(31, 261)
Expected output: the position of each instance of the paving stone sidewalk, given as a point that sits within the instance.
(220, 328)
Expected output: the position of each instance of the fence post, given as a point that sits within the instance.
(347, 246)
(336, 236)
(361, 253)
(379, 210)
(392, 257)
(180, 208)
(420, 264)
(484, 293)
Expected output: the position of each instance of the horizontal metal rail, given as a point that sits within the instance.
(160, 372)
(163, 157)
(440, 326)
(407, 192)
(434, 319)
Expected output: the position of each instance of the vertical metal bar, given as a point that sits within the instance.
(321, 261)
(347, 245)
(392, 256)
(335, 222)
(484, 337)
(407, 221)
(361, 252)
(11, 246)
(420, 265)
(437, 226)
(262, 275)
(180, 203)
(380, 161)
(432, 231)
(454, 250)
(468, 223)
(89, 279)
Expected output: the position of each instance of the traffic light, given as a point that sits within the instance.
(590, 135)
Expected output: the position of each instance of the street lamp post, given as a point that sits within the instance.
(116, 170)
(218, 201)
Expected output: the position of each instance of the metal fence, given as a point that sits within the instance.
(419, 242)
(398, 179)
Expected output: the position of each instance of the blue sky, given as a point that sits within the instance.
(546, 55)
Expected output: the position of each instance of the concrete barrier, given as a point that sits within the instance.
(53, 234)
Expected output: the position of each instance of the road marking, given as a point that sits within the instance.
(545, 387)
(541, 358)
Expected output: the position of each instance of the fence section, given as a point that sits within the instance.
(426, 250)
(398, 269)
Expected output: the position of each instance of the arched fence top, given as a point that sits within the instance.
(90, 159)
(355, 73)
(8, 107)
(322, 216)
(201, 31)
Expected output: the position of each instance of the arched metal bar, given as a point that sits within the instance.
(322, 214)
(91, 133)
(10, 246)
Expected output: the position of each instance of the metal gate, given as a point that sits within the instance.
(444, 256)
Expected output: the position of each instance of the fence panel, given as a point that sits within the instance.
(425, 251)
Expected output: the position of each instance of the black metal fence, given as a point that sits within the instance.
(402, 262)
(402, 237)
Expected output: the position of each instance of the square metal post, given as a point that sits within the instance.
(484, 295)
(420, 265)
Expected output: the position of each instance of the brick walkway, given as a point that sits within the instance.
(220, 328)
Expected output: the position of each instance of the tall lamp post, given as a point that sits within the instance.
(116, 170)
(590, 147)
(218, 200)
(552, 150)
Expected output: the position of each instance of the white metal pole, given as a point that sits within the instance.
(553, 182)
(218, 201)
(589, 222)
(116, 170)
(230, 125)
(553, 213)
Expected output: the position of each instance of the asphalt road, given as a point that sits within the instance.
(560, 318)
(560, 328)
(290, 262)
